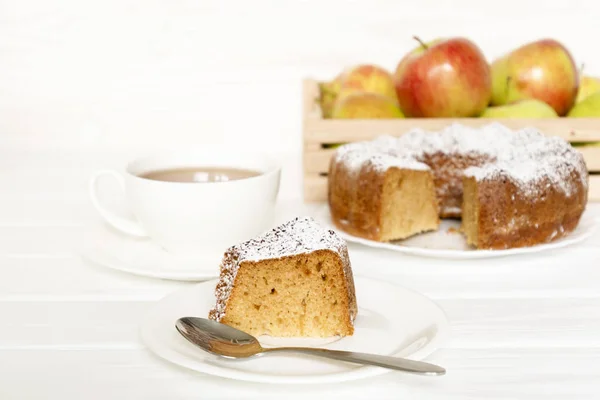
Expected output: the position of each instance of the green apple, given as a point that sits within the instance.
(542, 70)
(585, 144)
(588, 107)
(328, 93)
(521, 109)
(332, 145)
(587, 86)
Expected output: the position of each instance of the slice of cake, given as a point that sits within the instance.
(293, 281)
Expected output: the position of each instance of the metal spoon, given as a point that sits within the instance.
(225, 341)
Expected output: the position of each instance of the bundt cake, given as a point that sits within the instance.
(511, 188)
(293, 281)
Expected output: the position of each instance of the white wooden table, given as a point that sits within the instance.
(522, 327)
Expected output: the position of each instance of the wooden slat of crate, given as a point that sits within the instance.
(593, 193)
(336, 131)
(591, 155)
(318, 132)
(315, 188)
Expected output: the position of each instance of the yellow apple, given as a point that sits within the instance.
(364, 105)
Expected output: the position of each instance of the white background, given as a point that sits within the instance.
(85, 85)
(114, 72)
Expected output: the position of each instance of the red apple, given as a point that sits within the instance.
(367, 78)
(444, 78)
(542, 70)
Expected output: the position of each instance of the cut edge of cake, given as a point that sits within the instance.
(408, 205)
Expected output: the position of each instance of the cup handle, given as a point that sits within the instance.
(125, 225)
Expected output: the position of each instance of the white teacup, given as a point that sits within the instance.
(188, 218)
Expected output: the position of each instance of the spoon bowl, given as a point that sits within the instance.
(219, 339)
(226, 341)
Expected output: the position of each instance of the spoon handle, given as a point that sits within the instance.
(397, 363)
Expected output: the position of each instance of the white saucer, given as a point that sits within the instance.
(449, 243)
(108, 248)
(391, 320)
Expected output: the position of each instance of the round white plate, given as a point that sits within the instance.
(448, 242)
(391, 320)
(140, 256)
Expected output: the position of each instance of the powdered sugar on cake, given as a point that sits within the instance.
(549, 159)
(526, 156)
(379, 154)
(301, 235)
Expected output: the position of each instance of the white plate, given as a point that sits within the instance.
(108, 248)
(391, 320)
(447, 242)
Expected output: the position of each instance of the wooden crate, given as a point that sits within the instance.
(318, 133)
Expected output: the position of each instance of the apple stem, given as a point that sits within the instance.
(422, 43)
